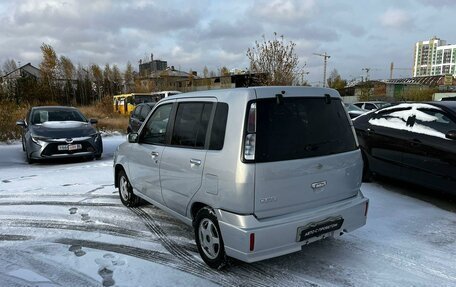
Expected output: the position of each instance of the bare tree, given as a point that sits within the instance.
(107, 78)
(129, 78)
(8, 66)
(205, 72)
(97, 75)
(116, 79)
(276, 59)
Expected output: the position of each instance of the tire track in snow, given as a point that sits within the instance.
(244, 275)
(63, 203)
(59, 195)
(67, 225)
(51, 270)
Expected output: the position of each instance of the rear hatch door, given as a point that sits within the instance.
(306, 154)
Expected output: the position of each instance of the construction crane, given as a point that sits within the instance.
(392, 68)
(326, 57)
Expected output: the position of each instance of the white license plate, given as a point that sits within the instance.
(70, 147)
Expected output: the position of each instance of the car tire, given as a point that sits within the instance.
(27, 156)
(209, 238)
(23, 145)
(126, 194)
(29, 159)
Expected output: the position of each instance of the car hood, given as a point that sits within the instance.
(65, 129)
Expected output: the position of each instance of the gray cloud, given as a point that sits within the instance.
(216, 33)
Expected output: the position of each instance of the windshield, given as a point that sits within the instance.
(143, 99)
(352, 107)
(56, 115)
(382, 105)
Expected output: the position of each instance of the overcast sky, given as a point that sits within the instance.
(193, 34)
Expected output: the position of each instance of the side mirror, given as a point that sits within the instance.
(21, 123)
(133, 138)
(451, 135)
(93, 121)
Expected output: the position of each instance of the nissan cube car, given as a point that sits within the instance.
(258, 172)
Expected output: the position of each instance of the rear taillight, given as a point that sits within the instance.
(250, 137)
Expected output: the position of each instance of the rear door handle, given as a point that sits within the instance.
(195, 162)
(154, 154)
(370, 131)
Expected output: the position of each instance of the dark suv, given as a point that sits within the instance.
(138, 115)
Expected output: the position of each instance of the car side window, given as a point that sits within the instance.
(219, 127)
(398, 118)
(190, 127)
(144, 112)
(136, 112)
(369, 107)
(433, 122)
(154, 131)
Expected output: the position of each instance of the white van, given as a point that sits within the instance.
(258, 172)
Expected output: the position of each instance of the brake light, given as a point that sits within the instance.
(250, 138)
(252, 241)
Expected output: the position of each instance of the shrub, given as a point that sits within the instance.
(9, 114)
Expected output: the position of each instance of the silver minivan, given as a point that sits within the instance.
(258, 172)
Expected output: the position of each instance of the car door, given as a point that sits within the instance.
(145, 156)
(385, 137)
(182, 163)
(430, 157)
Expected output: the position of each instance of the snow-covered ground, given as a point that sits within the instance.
(62, 224)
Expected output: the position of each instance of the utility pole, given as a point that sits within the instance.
(326, 57)
(367, 72)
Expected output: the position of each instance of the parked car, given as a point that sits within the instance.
(372, 105)
(138, 116)
(414, 142)
(258, 172)
(59, 132)
(354, 111)
(448, 99)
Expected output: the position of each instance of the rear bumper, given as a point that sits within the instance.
(278, 235)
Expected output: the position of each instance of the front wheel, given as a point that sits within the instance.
(209, 239)
(126, 191)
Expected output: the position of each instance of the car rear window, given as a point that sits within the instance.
(295, 128)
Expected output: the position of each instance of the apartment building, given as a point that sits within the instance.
(434, 57)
